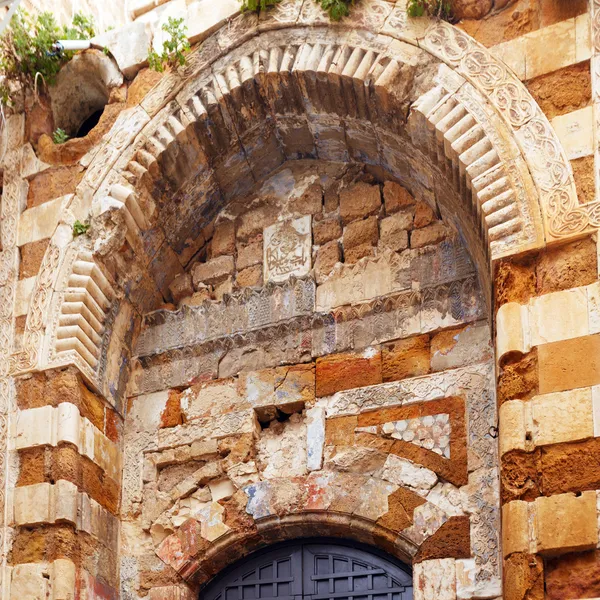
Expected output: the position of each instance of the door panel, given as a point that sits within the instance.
(313, 571)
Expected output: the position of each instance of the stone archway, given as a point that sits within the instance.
(256, 94)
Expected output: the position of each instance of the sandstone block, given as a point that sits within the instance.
(361, 232)
(394, 231)
(252, 276)
(346, 371)
(566, 523)
(424, 215)
(396, 197)
(326, 230)
(358, 201)
(569, 364)
(31, 258)
(573, 576)
(431, 234)
(310, 202)
(327, 257)
(515, 528)
(569, 266)
(249, 255)
(181, 287)
(406, 358)
(515, 281)
(353, 255)
(223, 240)
(212, 272)
(519, 379)
(523, 577)
(456, 348)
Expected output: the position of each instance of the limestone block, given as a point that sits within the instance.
(516, 517)
(435, 580)
(512, 329)
(39, 222)
(206, 16)
(29, 581)
(128, 45)
(566, 523)
(596, 409)
(63, 575)
(546, 419)
(315, 437)
(23, 293)
(583, 37)
(550, 48)
(287, 249)
(405, 473)
(513, 54)
(562, 416)
(593, 294)
(468, 585)
(45, 503)
(49, 426)
(467, 346)
(575, 130)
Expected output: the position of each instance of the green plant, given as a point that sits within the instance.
(435, 8)
(258, 5)
(26, 48)
(60, 136)
(336, 8)
(80, 228)
(174, 48)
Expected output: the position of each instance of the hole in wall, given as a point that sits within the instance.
(89, 123)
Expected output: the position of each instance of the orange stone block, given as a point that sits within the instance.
(347, 371)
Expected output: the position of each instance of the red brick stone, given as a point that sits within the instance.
(353, 255)
(346, 371)
(426, 236)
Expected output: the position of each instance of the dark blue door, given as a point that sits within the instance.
(313, 571)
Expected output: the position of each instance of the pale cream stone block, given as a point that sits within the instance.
(516, 518)
(550, 48)
(575, 130)
(23, 295)
(566, 523)
(435, 579)
(468, 586)
(512, 329)
(28, 581)
(39, 222)
(63, 575)
(65, 502)
(206, 16)
(32, 504)
(593, 293)
(559, 316)
(513, 54)
(583, 37)
(515, 422)
(68, 423)
(33, 427)
(562, 416)
(596, 409)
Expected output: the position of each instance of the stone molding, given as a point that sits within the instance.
(62, 502)
(50, 426)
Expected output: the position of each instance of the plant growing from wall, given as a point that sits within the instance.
(336, 8)
(258, 5)
(60, 136)
(434, 8)
(174, 47)
(80, 228)
(26, 48)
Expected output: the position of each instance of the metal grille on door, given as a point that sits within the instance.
(313, 571)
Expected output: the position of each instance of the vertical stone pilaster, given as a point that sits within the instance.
(595, 72)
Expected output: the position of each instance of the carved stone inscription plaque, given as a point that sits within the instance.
(287, 248)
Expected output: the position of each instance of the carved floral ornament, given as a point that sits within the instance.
(255, 77)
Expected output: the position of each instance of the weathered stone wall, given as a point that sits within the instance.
(251, 346)
(358, 394)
